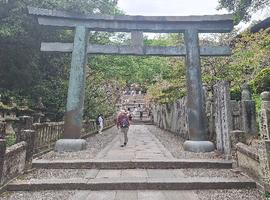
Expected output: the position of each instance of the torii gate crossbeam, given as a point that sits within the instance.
(191, 26)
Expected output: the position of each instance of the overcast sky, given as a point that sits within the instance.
(170, 7)
(179, 8)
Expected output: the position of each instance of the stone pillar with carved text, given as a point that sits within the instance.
(223, 118)
(248, 111)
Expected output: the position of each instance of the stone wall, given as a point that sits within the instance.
(223, 115)
(244, 113)
(14, 161)
(172, 117)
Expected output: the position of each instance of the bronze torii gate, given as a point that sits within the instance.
(189, 25)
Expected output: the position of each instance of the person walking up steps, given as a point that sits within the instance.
(123, 126)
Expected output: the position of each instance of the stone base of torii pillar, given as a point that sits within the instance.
(199, 146)
(70, 145)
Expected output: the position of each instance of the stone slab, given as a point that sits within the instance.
(151, 195)
(108, 173)
(185, 195)
(126, 195)
(159, 173)
(199, 146)
(134, 173)
(101, 196)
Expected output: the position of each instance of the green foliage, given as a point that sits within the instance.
(266, 194)
(27, 73)
(235, 93)
(10, 139)
(261, 82)
(242, 9)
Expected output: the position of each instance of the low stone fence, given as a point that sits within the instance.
(255, 159)
(248, 159)
(12, 161)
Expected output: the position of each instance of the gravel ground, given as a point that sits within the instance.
(55, 173)
(95, 144)
(245, 194)
(175, 145)
(42, 195)
(226, 173)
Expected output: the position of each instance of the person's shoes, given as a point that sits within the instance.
(123, 145)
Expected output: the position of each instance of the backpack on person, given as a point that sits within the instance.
(124, 122)
(97, 120)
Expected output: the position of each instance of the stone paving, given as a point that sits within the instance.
(142, 145)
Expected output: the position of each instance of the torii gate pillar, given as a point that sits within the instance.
(196, 114)
(75, 102)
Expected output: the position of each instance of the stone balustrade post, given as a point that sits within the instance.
(25, 123)
(2, 157)
(248, 111)
(264, 149)
(29, 136)
(264, 157)
(265, 116)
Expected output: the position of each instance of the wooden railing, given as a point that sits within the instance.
(47, 134)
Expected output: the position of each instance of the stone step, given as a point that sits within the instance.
(134, 164)
(138, 183)
(129, 173)
(233, 194)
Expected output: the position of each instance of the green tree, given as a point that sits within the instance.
(25, 72)
(243, 9)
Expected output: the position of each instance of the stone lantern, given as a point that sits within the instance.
(40, 108)
(10, 116)
(24, 110)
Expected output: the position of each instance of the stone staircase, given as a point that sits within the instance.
(133, 101)
(144, 169)
(131, 175)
